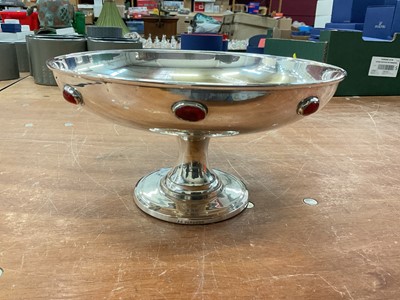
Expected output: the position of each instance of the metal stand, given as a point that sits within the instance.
(191, 193)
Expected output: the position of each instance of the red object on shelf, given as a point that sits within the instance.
(150, 4)
(24, 19)
(199, 6)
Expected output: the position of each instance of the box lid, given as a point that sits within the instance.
(378, 22)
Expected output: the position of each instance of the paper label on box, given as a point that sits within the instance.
(384, 66)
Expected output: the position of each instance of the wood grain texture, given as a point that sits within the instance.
(69, 228)
(6, 83)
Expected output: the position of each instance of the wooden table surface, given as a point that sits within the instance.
(70, 230)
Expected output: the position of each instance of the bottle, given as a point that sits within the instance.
(174, 43)
(157, 43)
(189, 28)
(164, 42)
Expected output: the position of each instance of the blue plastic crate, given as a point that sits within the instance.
(5, 27)
(135, 26)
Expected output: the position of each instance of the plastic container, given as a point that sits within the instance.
(9, 63)
(104, 31)
(11, 27)
(24, 19)
(135, 26)
(95, 44)
(22, 56)
(79, 23)
(43, 47)
(200, 41)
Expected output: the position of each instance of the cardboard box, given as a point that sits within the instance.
(285, 34)
(255, 20)
(301, 49)
(183, 23)
(242, 26)
(372, 67)
(378, 22)
(248, 19)
(228, 19)
(89, 16)
(285, 23)
(352, 11)
(396, 19)
(244, 32)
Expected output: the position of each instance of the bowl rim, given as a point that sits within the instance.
(194, 85)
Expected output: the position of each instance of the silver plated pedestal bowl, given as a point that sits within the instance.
(194, 96)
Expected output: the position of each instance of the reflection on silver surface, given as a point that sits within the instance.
(196, 68)
(233, 93)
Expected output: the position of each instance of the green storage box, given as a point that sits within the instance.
(372, 66)
(301, 48)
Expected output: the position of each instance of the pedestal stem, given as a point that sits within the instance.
(191, 179)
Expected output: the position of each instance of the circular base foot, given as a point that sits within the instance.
(230, 201)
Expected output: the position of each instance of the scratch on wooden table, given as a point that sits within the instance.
(100, 233)
(263, 136)
(76, 160)
(291, 182)
(161, 294)
(215, 281)
(334, 288)
(38, 210)
(156, 258)
(202, 262)
(372, 118)
(310, 234)
(117, 287)
(145, 143)
(264, 185)
(348, 293)
(76, 154)
(237, 172)
(115, 129)
(22, 261)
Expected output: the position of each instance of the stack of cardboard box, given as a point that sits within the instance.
(372, 63)
(378, 19)
(242, 26)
